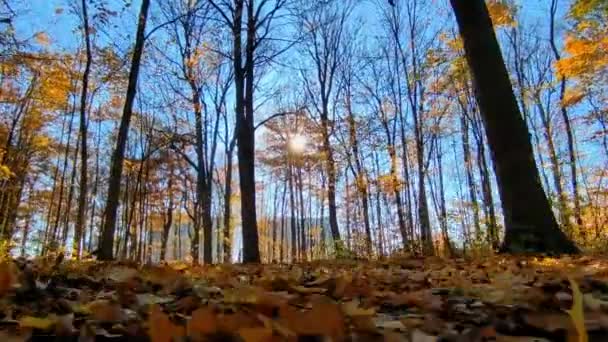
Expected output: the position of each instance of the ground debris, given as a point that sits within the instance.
(500, 298)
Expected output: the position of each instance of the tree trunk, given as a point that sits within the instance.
(227, 245)
(529, 221)
(569, 130)
(556, 169)
(168, 217)
(245, 134)
(468, 167)
(106, 244)
(81, 220)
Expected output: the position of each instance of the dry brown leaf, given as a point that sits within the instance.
(233, 322)
(324, 319)
(106, 311)
(120, 274)
(161, 329)
(203, 321)
(255, 334)
(308, 290)
(7, 277)
(6, 336)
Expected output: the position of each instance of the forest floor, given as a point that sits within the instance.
(498, 298)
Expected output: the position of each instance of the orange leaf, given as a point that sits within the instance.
(203, 321)
(256, 334)
(324, 319)
(161, 327)
(7, 277)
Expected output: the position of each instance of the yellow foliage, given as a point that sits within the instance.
(572, 97)
(501, 13)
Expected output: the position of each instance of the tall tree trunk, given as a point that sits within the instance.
(292, 215)
(486, 188)
(529, 221)
(106, 244)
(81, 220)
(568, 127)
(227, 245)
(303, 245)
(168, 217)
(55, 230)
(330, 165)
(244, 90)
(556, 169)
(360, 176)
(468, 167)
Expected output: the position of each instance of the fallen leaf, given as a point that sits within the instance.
(7, 277)
(203, 321)
(352, 308)
(325, 319)
(106, 311)
(577, 313)
(308, 290)
(45, 323)
(255, 334)
(6, 336)
(120, 274)
(161, 329)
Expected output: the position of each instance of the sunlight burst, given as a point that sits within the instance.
(297, 143)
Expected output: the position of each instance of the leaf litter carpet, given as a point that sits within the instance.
(498, 298)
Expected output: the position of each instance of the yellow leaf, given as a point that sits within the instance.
(577, 313)
(36, 322)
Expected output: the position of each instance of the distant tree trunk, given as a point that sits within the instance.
(95, 187)
(349, 237)
(529, 221)
(303, 245)
(556, 169)
(67, 218)
(442, 210)
(282, 239)
(292, 215)
(567, 124)
(106, 244)
(360, 175)
(227, 205)
(486, 188)
(468, 167)
(81, 220)
(49, 215)
(381, 245)
(55, 230)
(168, 217)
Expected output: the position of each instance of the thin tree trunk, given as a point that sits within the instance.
(568, 127)
(81, 220)
(468, 167)
(106, 244)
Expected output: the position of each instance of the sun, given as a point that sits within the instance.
(297, 143)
